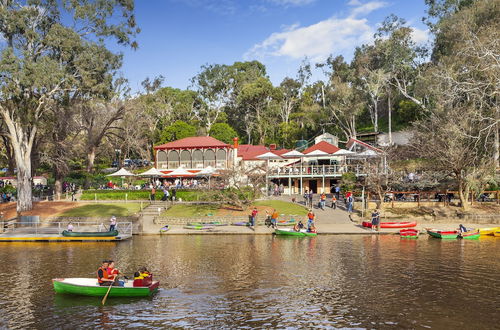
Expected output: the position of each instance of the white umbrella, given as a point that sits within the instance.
(152, 172)
(180, 171)
(122, 172)
(293, 154)
(209, 170)
(316, 153)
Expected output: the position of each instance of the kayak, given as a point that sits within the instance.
(291, 232)
(90, 287)
(200, 227)
(214, 223)
(497, 233)
(66, 233)
(443, 234)
(242, 223)
(409, 233)
(403, 224)
(472, 234)
(488, 231)
(164, 229)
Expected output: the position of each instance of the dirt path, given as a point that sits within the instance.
(43, 209)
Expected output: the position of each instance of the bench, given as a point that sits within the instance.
(8, 224)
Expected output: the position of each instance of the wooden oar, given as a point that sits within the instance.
(109, 289)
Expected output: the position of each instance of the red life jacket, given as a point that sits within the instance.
(112, 272)
(104, 274)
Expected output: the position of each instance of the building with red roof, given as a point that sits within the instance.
(322, 146)
(194, 153)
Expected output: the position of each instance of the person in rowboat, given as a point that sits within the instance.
(113, 273)
(103, 277)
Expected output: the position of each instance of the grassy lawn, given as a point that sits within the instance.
(191, 210)
(283, 207)
(103, 210)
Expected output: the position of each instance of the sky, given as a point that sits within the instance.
(179, 36)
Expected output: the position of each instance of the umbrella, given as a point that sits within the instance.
(316, 153)
(208, 172)
(293, 154)
(152, 172)
(122, 172)
(180, 171)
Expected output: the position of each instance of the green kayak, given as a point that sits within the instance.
(443, 234)
(291, 232)
(90, 234)
(213, 223)
(90, 287)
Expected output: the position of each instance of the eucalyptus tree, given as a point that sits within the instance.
(50, 48)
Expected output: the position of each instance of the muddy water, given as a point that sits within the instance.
(262, 281)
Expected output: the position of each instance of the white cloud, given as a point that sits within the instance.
(420, 36)
(366, 8)
(319, 40)
(354, 3)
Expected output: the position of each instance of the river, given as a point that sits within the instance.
(229, 281)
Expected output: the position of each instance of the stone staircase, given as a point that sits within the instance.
(149, 213)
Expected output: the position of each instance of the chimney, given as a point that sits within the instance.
(235, 143)
(272, 146)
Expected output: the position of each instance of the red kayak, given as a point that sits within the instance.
(409, 232)
(404, 224)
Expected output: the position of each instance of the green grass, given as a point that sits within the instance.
(103, 210)
(191, 210)
(283, 207)
(119, 195)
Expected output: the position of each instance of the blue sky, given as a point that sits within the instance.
(178, 36)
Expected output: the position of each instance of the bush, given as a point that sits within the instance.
(185, 195)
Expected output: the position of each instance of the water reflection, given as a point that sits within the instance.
(261, 281)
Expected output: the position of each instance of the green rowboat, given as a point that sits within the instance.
(90, 287)
(90, 234)
(291, 232)
(443, 234)
(474, 234)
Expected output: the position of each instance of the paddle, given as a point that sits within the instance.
(109, 289)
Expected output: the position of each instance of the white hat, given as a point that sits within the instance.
(113, 217)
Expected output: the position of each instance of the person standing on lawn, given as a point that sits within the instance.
(153, 193)
(253, 217)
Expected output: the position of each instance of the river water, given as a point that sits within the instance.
(231, 281)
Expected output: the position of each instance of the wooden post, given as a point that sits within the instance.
(393, 197)
(418, 199)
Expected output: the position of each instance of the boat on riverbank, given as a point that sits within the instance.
(199, 227)
(488, 231)
(403, 224)
(291, 232)
(497, 233)
(213, 223)
(472, 234)
(112, 233)
(443, 234)
(90, 287)
(409, 233)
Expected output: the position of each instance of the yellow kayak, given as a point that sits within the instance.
(497, 233)
(488, 231)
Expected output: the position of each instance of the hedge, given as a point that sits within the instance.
(185, 195)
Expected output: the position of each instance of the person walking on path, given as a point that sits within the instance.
(311, 193)
(153, 193)
(349, 202)
(322, 201)
(337, 191)
(253, 217)
(334, 202)
(306, 198)
(376, 220)
(310, 219)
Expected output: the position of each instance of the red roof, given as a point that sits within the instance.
(194, 142)
(280, 152)
(323, 146)
(366, 145)
(250, 152)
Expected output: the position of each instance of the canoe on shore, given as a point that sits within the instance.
(214, 223)
(409, 233)
(164, 229)
(90, 287)
(404, 224)
(472, 234)
(488, 231)
(291, 232)
(497, 233)
(443, 234)
(199, 227)
(66, 233)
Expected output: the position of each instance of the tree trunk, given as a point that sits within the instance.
(90, 159)
(496, 147)
(58, 184)
(9, 152)
(463, 194)
(389, 113)
(24, 185)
